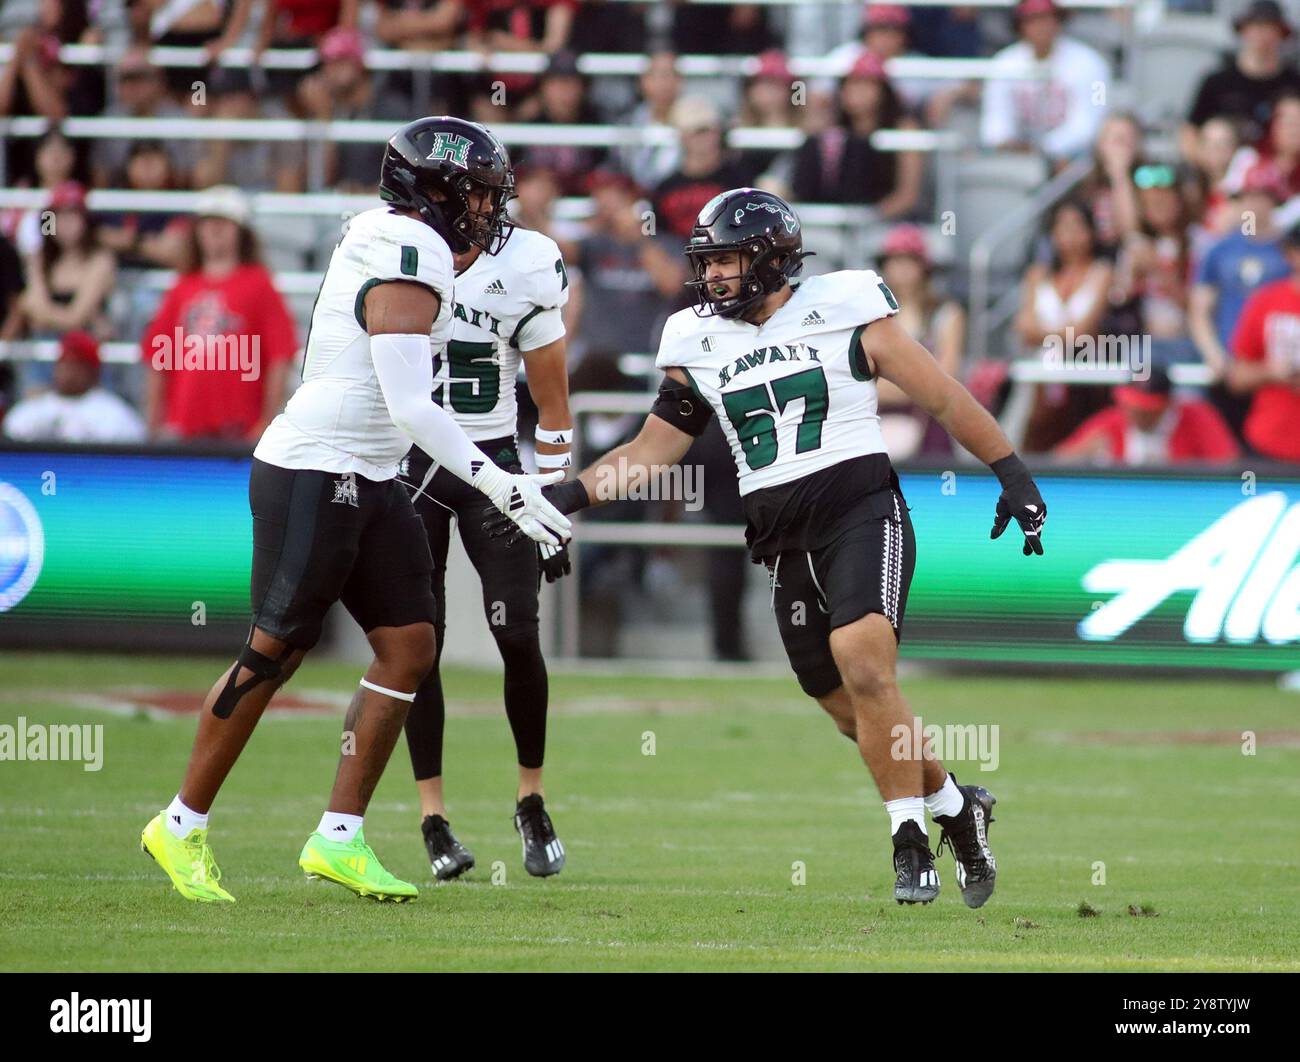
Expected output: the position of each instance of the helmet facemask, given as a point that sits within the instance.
(766, 272)
(449, 211)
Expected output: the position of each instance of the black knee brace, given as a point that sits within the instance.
(264, 669)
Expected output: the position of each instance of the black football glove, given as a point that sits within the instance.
(554, 561)
(1019, 499)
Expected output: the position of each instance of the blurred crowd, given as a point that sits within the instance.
(1183, 243)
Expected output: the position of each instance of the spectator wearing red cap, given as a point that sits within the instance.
(936, 322)
(1266, 348)
(77, 410)
(71, 276)
(1059, 108)
(840, 164)
(1148, 426)
(343, 90)
(221, 343)
(886, 34)
(1234, 267)
(1248, 83)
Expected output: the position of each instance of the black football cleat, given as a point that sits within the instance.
(447, 856)
(543, 852)
(967, 835)
(916, 880)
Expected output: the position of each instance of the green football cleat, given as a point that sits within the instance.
(354, 865)
(189, 863)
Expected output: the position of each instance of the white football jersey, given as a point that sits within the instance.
(506, 304)
(793, 395)
(338, 421)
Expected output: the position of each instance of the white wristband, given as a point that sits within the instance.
(550, 462)
(562, 437)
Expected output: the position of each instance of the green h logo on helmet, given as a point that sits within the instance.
(450, 147)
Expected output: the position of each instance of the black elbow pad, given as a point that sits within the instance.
(681, 407)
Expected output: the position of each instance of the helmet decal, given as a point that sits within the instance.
(449, 147)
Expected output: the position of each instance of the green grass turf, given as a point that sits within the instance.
(681, 860)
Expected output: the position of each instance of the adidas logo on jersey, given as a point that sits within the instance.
(707, 344)
(813, 318)
(495, 288)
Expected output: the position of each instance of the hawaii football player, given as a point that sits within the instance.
(790, 371)
(332, 523)
(509, 294)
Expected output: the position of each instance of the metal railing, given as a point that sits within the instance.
(363, 131)
(982, 315)
(596, 64)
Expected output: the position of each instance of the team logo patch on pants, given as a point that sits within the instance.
(345, 490)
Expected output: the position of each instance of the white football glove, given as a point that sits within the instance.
(520, 499)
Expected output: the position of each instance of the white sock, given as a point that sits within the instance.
(181, 820)
(906, 809)
(339, 827)
(949, 800)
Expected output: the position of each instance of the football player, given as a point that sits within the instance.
(330, 520)
(790, 371)
(509, 294)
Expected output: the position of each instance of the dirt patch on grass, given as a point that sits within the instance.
(169, 703)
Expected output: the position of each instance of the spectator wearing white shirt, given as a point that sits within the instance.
(78, 410)
(1059, 110)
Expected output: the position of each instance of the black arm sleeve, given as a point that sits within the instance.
(681, 407)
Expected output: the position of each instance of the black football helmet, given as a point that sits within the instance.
(764, 229)
(433, 165)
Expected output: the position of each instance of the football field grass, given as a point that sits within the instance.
(1132, 831)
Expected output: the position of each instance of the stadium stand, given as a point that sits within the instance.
(254, 117)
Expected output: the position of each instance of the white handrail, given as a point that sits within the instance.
(373, 132)
(322, 204)
(1190, 375)
(592, 63)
